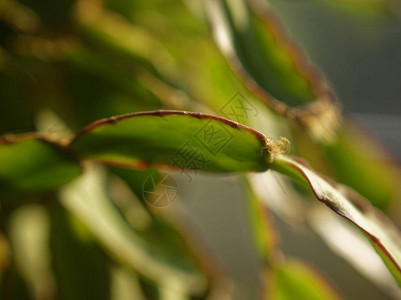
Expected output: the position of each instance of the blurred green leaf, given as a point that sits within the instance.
(356, 159)
(361, 163)
(81, 271)
(151, 249)
(123, 41)
(384, 236)
(259, 51)
(28, 229)
(100, 88)
(134, 178)
(263, 229)
(161, 138)
(30, 163)
(296, 280)
(271, 65)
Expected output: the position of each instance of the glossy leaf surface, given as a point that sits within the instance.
(180, 139)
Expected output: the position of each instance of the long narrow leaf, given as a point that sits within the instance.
(271, 66)
(184, 140)
(384, 236)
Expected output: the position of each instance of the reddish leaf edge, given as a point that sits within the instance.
(58, 143)
(322, 117)
(162, 113)
(358, 202)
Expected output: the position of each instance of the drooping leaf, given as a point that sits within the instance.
(361, 162)
(296, 280)
(181, 139)
(356, 159)
(234, 24)
(130, 140)
(384, 236)
(270, 65)
(342, 236)
(30, 163)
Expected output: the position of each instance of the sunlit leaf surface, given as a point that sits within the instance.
(180, 139)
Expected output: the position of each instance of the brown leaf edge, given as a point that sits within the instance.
(322, 117)
(265, 142)
(351, 206)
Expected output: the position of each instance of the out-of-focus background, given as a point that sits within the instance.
(61, 65)
(361, 58)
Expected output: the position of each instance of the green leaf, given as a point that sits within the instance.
(151, 249)
(30, 163)
(92, 78)
(83, 271)
(357, 160)
(181, 139)
(259, 51)
(296, 280)
(271, 66)
(384, 236)
(264, 234)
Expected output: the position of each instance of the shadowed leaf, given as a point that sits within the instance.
(81, 272)
(32, 164)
